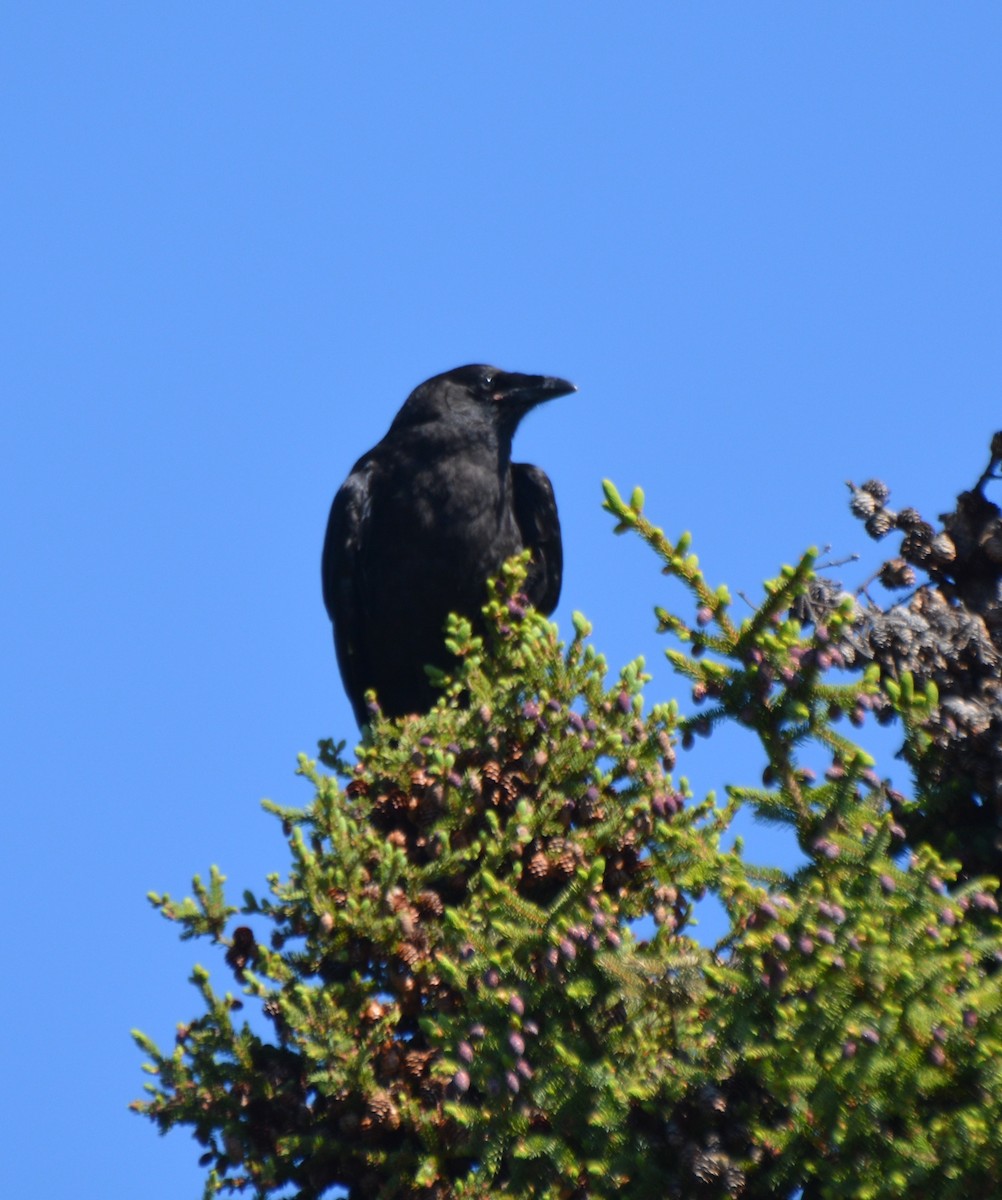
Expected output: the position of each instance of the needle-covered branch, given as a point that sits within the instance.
(478, 976)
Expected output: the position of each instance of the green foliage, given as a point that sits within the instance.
(478, 977)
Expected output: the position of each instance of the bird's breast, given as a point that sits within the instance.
(454, 517)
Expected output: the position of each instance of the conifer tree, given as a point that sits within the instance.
(479, 975)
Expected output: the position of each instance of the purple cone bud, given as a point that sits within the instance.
(805, 945)
(523, 1068)
(465, 1052)
(478, 1032)
(516, 1004)
(985, 901)
(871, 1036)
(511, 1079)
(530, 1028)
(516, 1042)
(826, 936)
(888, 884)
(461, 1081)
(781, 941)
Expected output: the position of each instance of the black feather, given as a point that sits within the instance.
(421, 523)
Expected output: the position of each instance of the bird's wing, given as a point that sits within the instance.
(536, 514)
(341, 574)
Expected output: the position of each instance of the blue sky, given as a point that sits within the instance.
(763, 240)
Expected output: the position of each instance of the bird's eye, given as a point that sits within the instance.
(488, 378)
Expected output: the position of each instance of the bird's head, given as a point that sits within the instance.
(481, 396)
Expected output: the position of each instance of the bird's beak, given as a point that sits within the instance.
(526, 391)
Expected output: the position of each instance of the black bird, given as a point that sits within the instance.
(421, 523)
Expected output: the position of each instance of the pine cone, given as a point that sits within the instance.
(381, 1113)
(538, 866)
(429, 903)
(877, 489)
(880, 523)
(409, 954)
(897, 574)
(416, 1062)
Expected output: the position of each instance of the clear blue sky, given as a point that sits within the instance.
(764, 240)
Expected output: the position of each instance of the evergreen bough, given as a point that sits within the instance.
(478, 978)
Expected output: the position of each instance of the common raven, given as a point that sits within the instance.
(421, 523)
